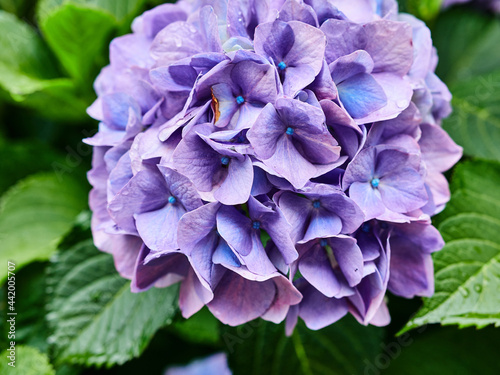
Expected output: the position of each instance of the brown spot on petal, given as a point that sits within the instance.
(215, 107)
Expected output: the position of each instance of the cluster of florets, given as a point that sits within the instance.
(280, 159)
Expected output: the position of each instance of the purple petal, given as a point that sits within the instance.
(238, 300)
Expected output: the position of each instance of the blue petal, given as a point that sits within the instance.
(361, 95)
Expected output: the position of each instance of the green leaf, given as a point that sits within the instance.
(469, 63)
(475, 121)
(31, 327)
(28, 73)
(466, 40)
(34, 215)
(424, 9)
(202, 328)
(467, 270)
(20, 159)
(122, 10)
(78, 36)
(95, 318)
(29, 361)
(262, 348)
(442, 351)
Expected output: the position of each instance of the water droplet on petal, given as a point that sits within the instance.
(402, 103)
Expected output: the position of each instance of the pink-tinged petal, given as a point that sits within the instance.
(389, 44)
(439, 151)
(361, 95)
(412, 272)
(148, 272)
(382, 317)
(125, 251)
(368, 199)
(398, 92)
(319, 311)
(323, 86)
(292, 319)
(238, 300)
(193, 295)
(287, 295)
(438, 185)
(176, 41)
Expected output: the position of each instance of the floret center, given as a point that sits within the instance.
(290, 131)
(316, 204)
(224, 160)
(375, 183)
(256, 225)
(172, 200)
(240, 99)
(282, 65)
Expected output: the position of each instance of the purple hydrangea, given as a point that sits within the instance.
(280, 159)
(216, 364)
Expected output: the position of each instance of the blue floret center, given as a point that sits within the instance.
(172, 200)
(375, 183)
(323, 242)
(240, 99)
(282, 65)
(366, 227)
(289, 131)
(316, 204)
(256, 225)
(224, 160)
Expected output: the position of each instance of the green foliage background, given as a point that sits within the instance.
(77, 316)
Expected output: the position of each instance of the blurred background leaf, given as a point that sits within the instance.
(34, 215)
(29, 361)
(469, 62)
(28, 73)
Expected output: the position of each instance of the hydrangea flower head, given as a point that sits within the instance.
(280, 159)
